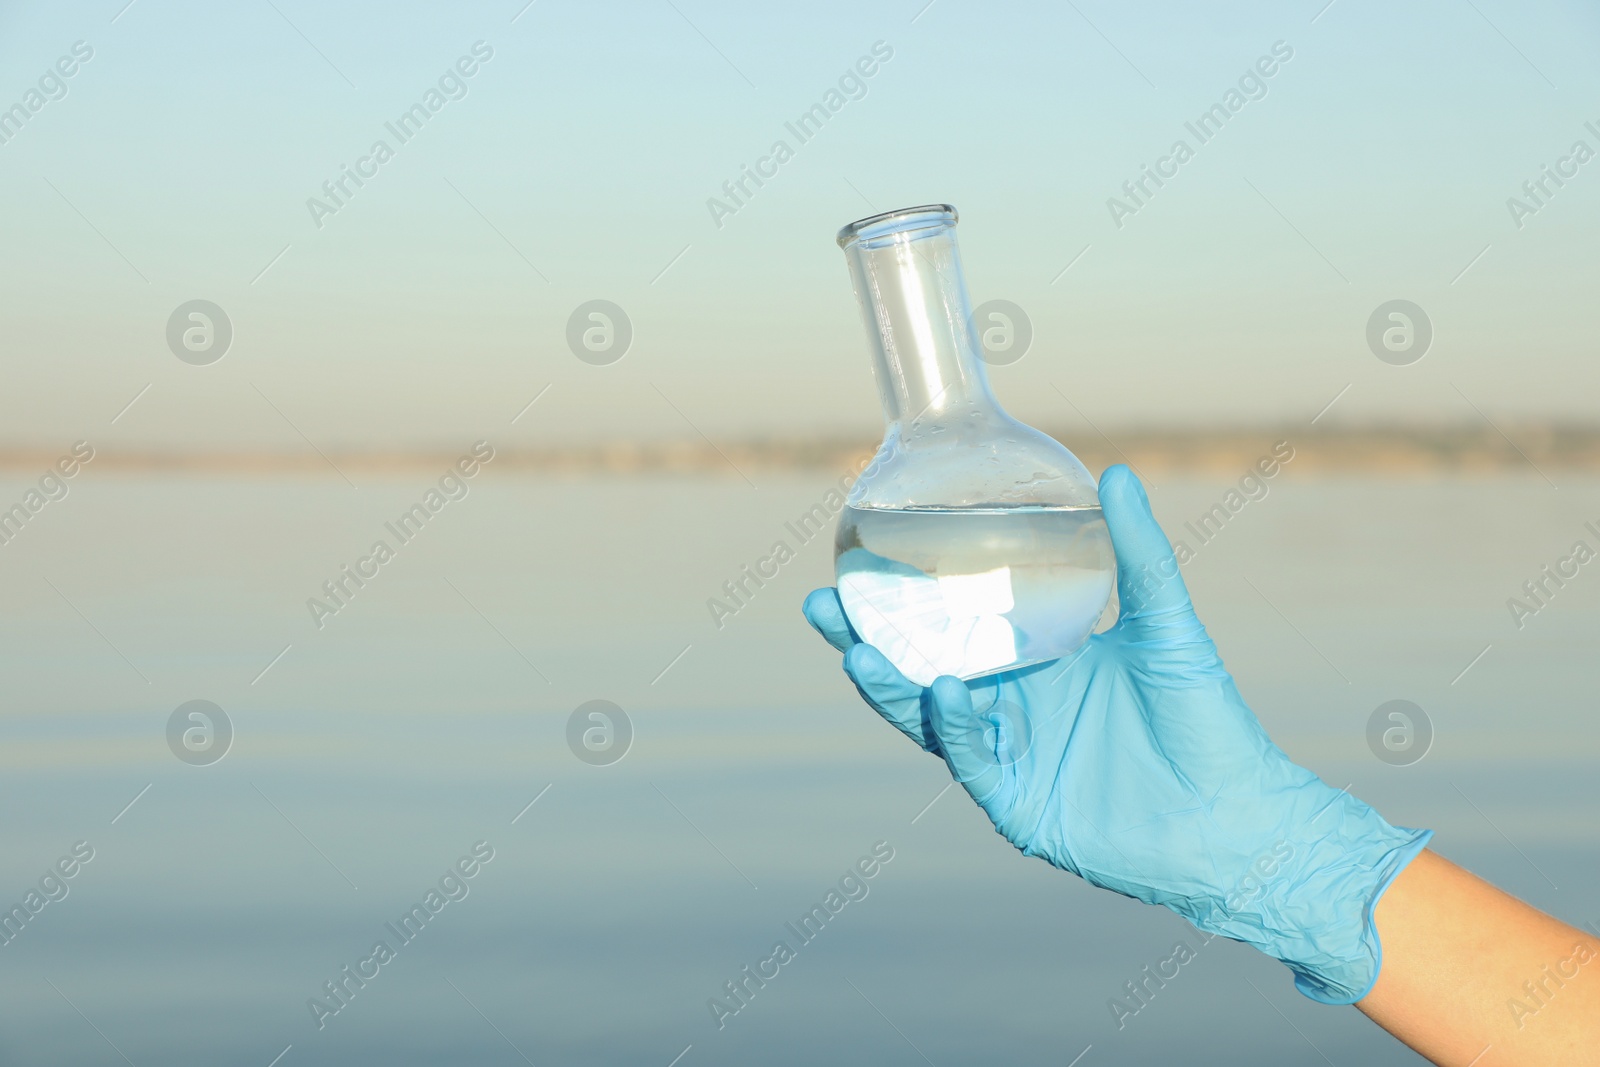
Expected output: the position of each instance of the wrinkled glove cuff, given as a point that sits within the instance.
(1314, 912)
(1348, 965)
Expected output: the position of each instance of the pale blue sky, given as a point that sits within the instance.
(1377, 167)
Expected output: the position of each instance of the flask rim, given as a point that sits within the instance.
(893, 224)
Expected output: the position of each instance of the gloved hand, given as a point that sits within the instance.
(1136, 765)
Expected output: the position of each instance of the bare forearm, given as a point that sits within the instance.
(1473, 976)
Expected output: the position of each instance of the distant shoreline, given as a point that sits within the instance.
(1391, 450)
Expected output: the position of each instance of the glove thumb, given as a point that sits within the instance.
(977, 747)
(1149, 584)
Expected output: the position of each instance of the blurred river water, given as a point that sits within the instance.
(426, 727)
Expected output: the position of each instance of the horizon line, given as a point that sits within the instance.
(1376, 447)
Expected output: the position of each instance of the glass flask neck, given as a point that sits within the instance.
(926, 356)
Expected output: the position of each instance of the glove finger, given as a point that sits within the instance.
(969, 740)
(1148, 579)
(890, 693)
(826, 616)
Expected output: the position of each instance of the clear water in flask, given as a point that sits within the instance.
(972, 591)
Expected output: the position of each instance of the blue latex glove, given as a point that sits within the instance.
(1136, 765)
